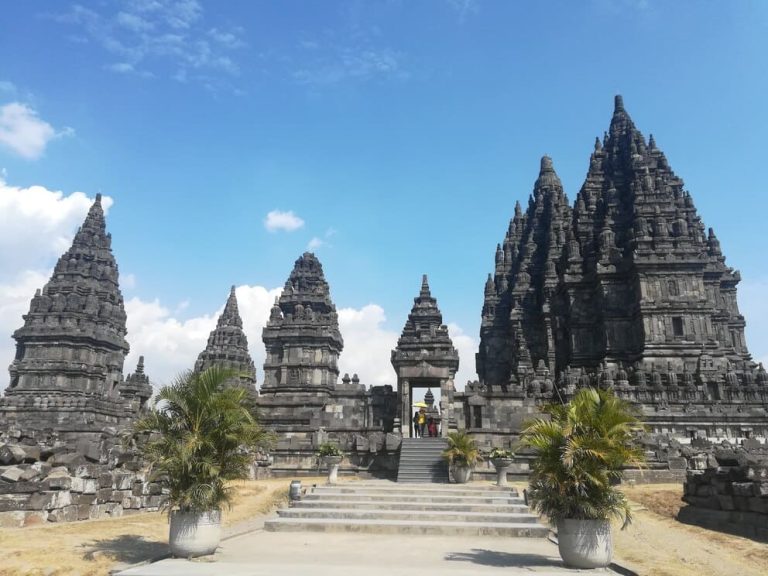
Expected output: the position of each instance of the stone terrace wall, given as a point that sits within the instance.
(727, 490)
(52, 482)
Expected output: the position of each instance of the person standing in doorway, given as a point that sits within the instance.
(422, 421)
(416, 424)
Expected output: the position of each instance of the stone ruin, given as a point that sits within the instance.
(623, 289)
(726, 489)
(61, 456)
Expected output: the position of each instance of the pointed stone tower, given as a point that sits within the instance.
(137, 385)
(624, 291)
(519, 326)
(302, 399)
(302, 335)
(425, 358)
(650, 289)
(228, 347)
(68, 370)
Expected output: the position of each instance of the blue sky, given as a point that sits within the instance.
(398, 133)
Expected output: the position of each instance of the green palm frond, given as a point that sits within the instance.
(581, 450)
(201, 434)
(461, 449)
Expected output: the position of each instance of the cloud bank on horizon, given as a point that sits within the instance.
(37, 226)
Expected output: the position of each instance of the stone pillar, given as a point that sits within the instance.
(405, 409)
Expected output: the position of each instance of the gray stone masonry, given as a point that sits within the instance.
(302, 399)
(726, 489)
(67, 376)
(228, 347)
(425, 357)
(627, 290)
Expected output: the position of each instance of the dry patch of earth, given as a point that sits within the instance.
(94, 547)
(658, 545)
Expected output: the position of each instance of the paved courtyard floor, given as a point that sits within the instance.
(261, 553)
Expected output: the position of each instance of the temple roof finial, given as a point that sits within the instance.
(547, 175)
(618, 103)
(424, 287)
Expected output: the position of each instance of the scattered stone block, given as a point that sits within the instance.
(65, 514)
(11, 454)
(12, 474)
(20, 487)
(124, 481)
(71, 460)
(58, 483)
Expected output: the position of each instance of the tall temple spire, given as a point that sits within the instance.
(231, 315)
(524, 286)
(228, 347)
(302, 338)
(72, 344)
(630, 278)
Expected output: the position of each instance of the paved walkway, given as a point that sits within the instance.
(261, 553)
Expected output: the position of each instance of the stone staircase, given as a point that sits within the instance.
(388, 508)
(421, 460)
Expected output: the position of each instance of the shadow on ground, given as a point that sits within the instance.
(503, 559)
(126, 548)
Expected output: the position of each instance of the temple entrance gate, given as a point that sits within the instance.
(425, 358)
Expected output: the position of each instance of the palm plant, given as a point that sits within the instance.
(462, 449)
(201, 435)
(580, 453)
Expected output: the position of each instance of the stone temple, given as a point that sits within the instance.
(624, 289)
(228, 347)
(67, 376)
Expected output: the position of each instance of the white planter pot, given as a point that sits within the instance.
(502, 467)
(585, 543)
(194, 533)
(332, 463)
(462, 474)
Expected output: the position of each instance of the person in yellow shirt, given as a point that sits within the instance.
(422, 421)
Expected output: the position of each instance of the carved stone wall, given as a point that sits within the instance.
(302, 399)
(625, 290)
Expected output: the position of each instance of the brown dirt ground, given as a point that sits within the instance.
(658, 545)
(94, 547)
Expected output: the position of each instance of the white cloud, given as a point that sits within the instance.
(287, 221)
(463, 8)
(8, 87)
(338, 64)
(367, 345)
(314, 244)
(37, 226)
(128, 281)
(146, 37)
(467, 346)
(24, 132)
(171, 345)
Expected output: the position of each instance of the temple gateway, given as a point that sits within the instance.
(624, 289)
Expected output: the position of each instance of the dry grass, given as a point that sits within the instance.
(656, 544)
(94, 547)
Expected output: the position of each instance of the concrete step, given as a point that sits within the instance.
(438, 491)
(400, 488)
(448, 499)
(351, 503)
(408, 514)
(520, 530)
